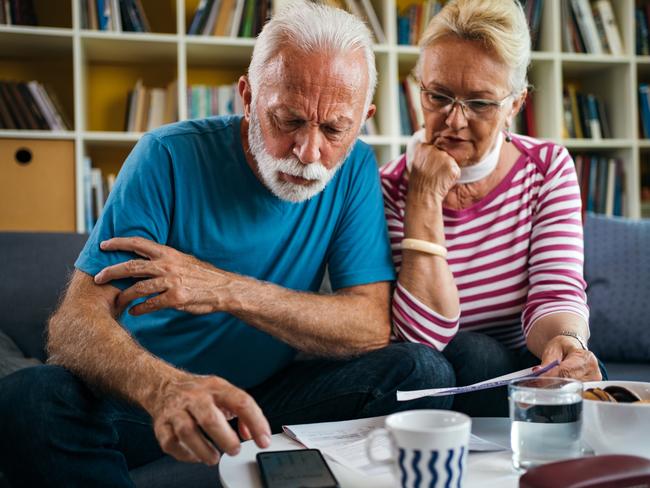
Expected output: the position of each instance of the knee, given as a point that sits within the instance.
(424, 367)
(34, 398)
(475, 357)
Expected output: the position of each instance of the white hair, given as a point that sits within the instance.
(312, 27)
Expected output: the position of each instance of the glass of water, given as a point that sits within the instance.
(546, 420)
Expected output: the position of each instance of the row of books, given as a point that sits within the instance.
(245, 18)
(590, 28)
(642, 21)
(602, 184)
(114, 15)
(411, 116)
(96, 188)
(585, 115)
(17, 12)
(206, 101)
(533, 10)
(524, 123)
(148, 108)
(30, 106)
(413, 18)
(234, 18)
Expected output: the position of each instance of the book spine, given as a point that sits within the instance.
(611, 28)
(587, 26)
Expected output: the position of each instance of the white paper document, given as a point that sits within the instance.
(345, 443)
(403, 396)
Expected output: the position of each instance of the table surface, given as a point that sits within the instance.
(484, 469)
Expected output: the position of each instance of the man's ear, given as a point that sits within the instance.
(246, 94)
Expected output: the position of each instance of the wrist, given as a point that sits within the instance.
(575, 337)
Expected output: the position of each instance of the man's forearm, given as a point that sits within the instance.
(346, 323)
(86, 339)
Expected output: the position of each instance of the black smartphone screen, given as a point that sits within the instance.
(303, 468)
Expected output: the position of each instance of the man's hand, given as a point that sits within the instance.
(192, 414)
(177, 280)
(575, 362)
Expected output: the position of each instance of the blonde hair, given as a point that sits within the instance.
(499, 25)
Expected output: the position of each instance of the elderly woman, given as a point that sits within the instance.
(485, 225)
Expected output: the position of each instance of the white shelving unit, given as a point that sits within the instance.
(179, 56)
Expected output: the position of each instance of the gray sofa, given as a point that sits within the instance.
(35, 268)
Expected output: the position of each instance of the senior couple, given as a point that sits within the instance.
(199, 285)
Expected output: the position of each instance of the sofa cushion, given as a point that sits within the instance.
(617, 271)
(35, 270)
(11, 358)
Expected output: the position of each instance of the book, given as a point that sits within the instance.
(604, 8)
(116, 16)
(51, 94)
(575, 111)
(373, 20)
(92, 15)
(195, 25)
(103, 14)
(211, 18)
(89, 218)
(237, 18)
(226, 11)
(644, 108)
(592, 117)
(248, 19)
(587, 26)
(569, 125)
(43, 105)
(142, 15)
(156, 113)
(611, 182)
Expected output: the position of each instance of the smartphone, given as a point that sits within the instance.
(302, 468)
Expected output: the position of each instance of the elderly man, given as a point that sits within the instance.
(198, 285)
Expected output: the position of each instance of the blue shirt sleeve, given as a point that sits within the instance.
(360, 250)
(140, 204)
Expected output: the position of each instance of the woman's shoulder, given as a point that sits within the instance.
(394, 178)
(544, 154)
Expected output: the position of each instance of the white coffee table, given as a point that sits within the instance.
(484, 470)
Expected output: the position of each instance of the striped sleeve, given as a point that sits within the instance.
(412, 320)
(556, 254)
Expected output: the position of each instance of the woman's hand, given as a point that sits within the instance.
(575, 362)
(433, 174)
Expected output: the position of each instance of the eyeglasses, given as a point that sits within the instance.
(434, 101)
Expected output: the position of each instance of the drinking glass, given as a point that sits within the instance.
(546, 416)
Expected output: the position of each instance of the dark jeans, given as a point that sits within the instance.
(476, 357)
(55, 431)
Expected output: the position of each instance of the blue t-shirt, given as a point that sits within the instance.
(188, 186)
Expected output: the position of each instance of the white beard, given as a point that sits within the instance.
(269, 168)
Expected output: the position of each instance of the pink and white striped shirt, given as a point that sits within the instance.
(516, 255)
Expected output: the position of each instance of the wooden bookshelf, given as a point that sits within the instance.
(92, 72)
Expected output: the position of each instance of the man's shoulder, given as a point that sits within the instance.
(196, 129)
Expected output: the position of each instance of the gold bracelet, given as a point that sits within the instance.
(424, 246)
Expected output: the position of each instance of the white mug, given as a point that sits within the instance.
(429, 447)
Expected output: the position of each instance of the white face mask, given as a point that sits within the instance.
(270, 167)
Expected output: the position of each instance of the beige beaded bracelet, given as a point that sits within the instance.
(424, 246)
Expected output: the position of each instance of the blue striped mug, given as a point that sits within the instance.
(428, 448)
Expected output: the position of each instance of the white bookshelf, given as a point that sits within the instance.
(182, 57)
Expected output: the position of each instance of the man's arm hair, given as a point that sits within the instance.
(349, 322)
(85, 337)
